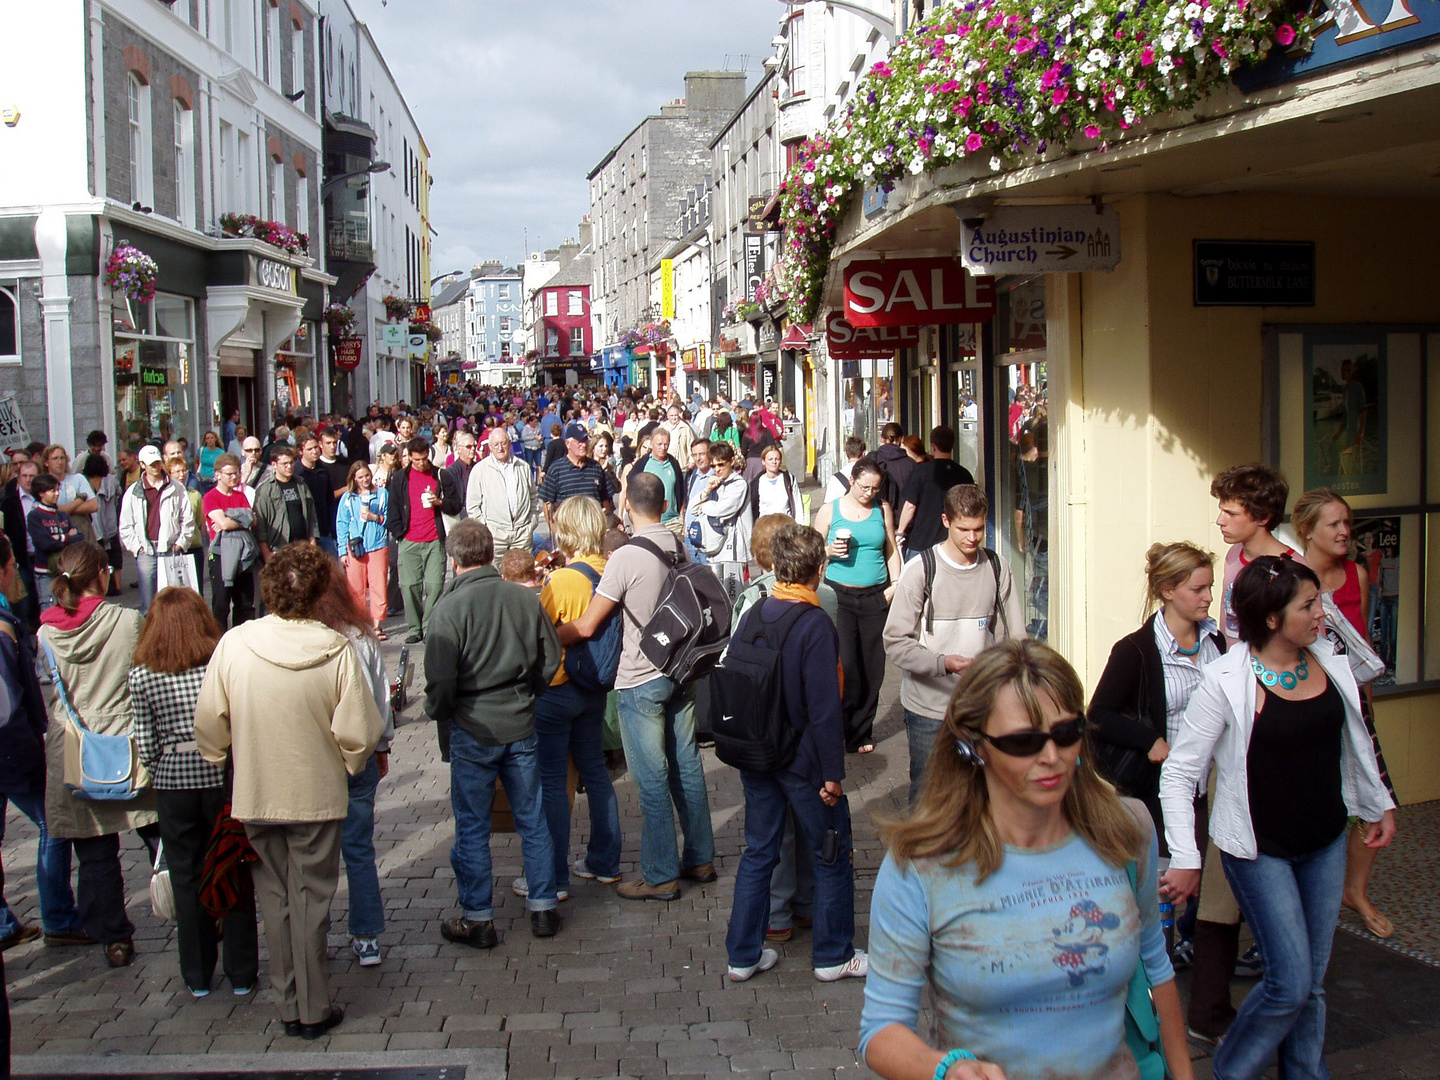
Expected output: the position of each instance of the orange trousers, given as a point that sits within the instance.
(370, 573)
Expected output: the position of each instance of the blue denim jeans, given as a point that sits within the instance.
(792, 882)
(920, 733)
(768, 798)
(569, 723)
(657, 726)
(474, 768)
(329, 545)
(146, 570)
(1291, 906)
(357, 847)
(58, 914)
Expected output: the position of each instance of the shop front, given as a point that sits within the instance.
(156, 388)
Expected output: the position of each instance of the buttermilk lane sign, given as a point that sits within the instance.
(1042, 240)
(915, 292)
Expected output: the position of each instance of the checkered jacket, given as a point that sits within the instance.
(164, 717)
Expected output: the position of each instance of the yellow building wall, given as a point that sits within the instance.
(1169, 394)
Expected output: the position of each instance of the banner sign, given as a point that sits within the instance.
(13, 433)
(667, 288)
(395, 335)
(1254, 273)
(347, 353)
(846, 342)
(754, 264)
(419, 346)
(1042, 240)
(915, 292)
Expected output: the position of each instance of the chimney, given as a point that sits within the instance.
(585, 234)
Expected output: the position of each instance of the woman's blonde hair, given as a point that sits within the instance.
(580, 526)
(1308, 506)
(951, 819)
(1168, 566)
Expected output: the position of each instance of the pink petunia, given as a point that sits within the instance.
(1147, 56)
(1051, 77)
(1285, 35)
(1059, 94)
(1091, 131)
(973, 142)
(1219, 49)
(1022, 45)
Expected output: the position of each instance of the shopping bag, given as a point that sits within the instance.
(176, 570)
(162, 893)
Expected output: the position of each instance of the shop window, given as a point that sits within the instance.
(295, 374)
(9, 324)
(867, 399)
(155, 389)
(1354, 411)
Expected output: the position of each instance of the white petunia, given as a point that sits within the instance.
(1192, 11)
(952, 39)
(994, 164)
(917, 166)
(867, 170)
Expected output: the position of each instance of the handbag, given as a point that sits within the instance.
(102, 767)
(1129, 769)
(1142, 1023)
(225, 879)
(1365, 662)
(355, 546)
(162, 893)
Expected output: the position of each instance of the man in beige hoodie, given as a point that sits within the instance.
(286, 700)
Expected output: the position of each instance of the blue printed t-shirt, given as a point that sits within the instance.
(1030, 969)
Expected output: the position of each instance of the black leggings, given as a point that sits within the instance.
(861, 623)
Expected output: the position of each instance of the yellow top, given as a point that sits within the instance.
(565, 597)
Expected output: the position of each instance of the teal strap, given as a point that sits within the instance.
(950, 1059)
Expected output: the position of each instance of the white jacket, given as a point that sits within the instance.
(502, 497)
(177, 518)
(1218, 723)
(725, 521)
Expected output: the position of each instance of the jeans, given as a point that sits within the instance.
(860, 621)
(44, 598)
(570, 722)
(145, 569)
(328, 545)
(768, 798)
(474, 768)
(657, 726)
(422, 576)
(920, 733)
(792, 882)
(357, 847)
(1292, 906)
(58, 914)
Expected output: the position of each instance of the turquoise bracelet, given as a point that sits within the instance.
(950, 1059)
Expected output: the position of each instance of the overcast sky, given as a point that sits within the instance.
(519, 100)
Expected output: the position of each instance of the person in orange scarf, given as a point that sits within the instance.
(810, 785)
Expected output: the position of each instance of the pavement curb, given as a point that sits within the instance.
(479, 1064)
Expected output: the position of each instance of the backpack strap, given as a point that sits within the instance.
(927, 560)
(775, 632)
(588, 572)
(998, 611)
(844, 481)
(671, 561)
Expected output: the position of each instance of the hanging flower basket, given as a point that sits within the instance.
(132, 272)
(397, 308)
(649, 334)
(340, 319)
(273, 233)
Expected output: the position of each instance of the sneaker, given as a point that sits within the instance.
(639, 889)
(580, 870)
(785, 934)
(367, 951)
(855, 968)
(20, 936)
(703, 874)
(1184, 954)
(1251, 965)
(1200, 1037)
(199, 993)
(521, 887)
(768, 959)
(243, 991)
(478, 935)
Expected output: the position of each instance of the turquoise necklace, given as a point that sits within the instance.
(1288, 680)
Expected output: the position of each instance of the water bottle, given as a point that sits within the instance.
(1167, 909)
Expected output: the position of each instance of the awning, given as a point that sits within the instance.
(797, 337)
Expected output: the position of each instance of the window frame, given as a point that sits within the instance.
(11, 290)
(184, 138)
(276, 186)
(137, 121)
(575, 302)
(297, 60)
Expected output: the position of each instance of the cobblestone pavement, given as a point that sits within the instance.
(626, 989)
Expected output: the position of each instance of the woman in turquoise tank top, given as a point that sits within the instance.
(862, 569)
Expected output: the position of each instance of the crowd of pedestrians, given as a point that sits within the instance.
(261, 721)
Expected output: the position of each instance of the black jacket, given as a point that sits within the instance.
(451, 502)
(15, 526)
(22, 729)
(897, 465)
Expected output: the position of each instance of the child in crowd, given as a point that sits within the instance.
(519, 566)
(51, 531)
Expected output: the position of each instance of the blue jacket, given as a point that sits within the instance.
(22, 714)
(348, 522)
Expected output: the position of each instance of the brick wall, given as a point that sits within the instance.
(293, 181)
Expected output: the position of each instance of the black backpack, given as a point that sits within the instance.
(690, 627)
(927, 560)
(747, 710)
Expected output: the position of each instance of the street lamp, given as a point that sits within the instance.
(335, 181)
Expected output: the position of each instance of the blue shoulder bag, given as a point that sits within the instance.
(108, 768)
(1142, 1024)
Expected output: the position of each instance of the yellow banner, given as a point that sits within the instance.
(667, 288)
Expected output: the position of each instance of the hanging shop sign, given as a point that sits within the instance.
(14, 435)
(754, 264)
(1254, 273)
(269, 274)
(846, 342)
(915, 292)
(395, 337)
(667, 288)
(418, 345)
(1041, 240)
(347, 353)
(755, 216)
(421, 313)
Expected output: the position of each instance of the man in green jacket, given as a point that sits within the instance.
(490, 651)
(284, 508)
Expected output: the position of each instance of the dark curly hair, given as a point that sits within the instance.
(1260, 489)
(1265, 588)
(293, 582)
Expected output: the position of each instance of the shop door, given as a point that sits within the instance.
(237, 386)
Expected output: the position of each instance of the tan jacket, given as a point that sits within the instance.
(289, 701)
(94, 661)
(502, 498)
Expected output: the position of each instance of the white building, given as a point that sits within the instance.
(449, 313)
(147, 125)
(536, 272)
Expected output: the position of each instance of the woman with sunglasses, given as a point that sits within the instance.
(1020, 887)
(1281, 720)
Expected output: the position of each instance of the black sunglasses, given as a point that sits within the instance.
(1030, 743)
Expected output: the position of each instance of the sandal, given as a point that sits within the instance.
(1378, 924)
(868, 748)
(381, 635)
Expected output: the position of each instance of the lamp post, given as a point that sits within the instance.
(335, 181)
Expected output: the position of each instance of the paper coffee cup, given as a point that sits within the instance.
(843, 536)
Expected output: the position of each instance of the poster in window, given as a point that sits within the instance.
(1346, 432)
(1377, 549)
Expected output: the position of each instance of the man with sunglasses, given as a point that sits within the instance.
(951, 603)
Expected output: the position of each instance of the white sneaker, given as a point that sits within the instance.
(367, 951)
(768, 958)
(522, 888)
(580, 870)
(855, 968)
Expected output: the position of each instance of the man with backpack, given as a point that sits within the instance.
(775, 706)
(955, 600)
(657, 720)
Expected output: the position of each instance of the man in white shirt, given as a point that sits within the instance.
(681, 434)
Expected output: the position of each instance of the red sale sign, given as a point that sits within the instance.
(916, 292)
(846, 342)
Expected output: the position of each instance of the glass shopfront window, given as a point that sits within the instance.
(958, 355)
(867, 399)
(155, 391)
(295, 375)
(1021, 498)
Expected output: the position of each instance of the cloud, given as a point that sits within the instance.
(517, 102)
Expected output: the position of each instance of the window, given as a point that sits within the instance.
(155, 372)
(246, 195)
(480, 327)
(277, 191)
(577, 341)
(184, 167)
(227, 171)
(9, 324)
(302, 205)
(227, 25)
(504, 292)
(552, 342)
(573, 303)
(141, 167)
(504, 324)
(272, 44)
(297, 60)
(552, 303)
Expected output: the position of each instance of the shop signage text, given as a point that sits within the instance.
(915, 292)
(1251, 273)
(270, 274)
(755, 216)
(667, 288)
(394, 337)
(422, 313)
(150, 376)
(347, 353)
(846, 342)
(1355, 31)
(14, 435)
(1042, 240)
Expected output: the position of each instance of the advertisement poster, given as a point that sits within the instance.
(1377, 549)
(13, 433)
(1345, 415)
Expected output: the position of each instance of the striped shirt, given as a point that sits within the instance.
(564, 479)
(165, 717)
(1182, 673)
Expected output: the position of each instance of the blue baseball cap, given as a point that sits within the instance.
(577, 430)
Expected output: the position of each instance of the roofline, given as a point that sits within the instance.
(772, 73)
(616, 148)
(364, 29)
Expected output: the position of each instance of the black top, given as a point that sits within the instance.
(318, 480)
(928, 484)
(1293, 772)
(295, 509)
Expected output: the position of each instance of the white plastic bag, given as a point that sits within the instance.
(162, 894)
(1365, 662)
(176, 569)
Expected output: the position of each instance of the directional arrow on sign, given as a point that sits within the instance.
(1063, 251)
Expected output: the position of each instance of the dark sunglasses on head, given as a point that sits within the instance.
(1029, 743)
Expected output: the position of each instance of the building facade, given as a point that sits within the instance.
(562, 320)
(448, 311)
(494, 339)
